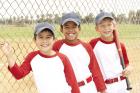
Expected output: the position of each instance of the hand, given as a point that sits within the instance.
(126, 71)
(8, 51)
(6, 48)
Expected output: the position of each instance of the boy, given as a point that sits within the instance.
(52, 70)
(107, 56)
(80, 55)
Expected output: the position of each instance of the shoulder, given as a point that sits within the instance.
(57, 44)
(63, 58)
(85, 44)
(32, 54)
(94, 41)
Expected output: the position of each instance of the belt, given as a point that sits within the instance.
(109, 81)
(87, 80)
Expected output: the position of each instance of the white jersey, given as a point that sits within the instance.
(83, 62)
(109, 63)
(52, 74)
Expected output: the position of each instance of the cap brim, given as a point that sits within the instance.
(41, 29)
(70, 19)
(104, 18)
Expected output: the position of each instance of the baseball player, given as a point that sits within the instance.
(52, 70)
(80, 54)
(107, 55)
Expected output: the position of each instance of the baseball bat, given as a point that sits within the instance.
(118, 45)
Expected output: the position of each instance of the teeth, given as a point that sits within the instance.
(44, 45)
(71, 34)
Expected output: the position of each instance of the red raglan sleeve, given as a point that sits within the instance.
(126, 60)
(95, 70)
(57, 45)
(20, 71)
(69, 74)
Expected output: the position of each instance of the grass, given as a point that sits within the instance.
(87, 31)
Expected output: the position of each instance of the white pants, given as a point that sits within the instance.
(88, 88)
(117, 87)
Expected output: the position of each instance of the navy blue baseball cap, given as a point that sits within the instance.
(70, 17)
(44, 25)
(101, 16)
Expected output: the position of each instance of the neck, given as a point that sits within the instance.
(72, 41)
(107, 39)
(49, 53)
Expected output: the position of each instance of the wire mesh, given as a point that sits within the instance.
(18, 17)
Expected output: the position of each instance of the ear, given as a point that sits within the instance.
(34, 40)
(80, 28)
(61, 29)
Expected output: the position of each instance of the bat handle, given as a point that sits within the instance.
(127, 80)
(128, 84)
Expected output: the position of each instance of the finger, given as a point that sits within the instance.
(6, 43)
(1, 44)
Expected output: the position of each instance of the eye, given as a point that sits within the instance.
(74, 27)
(47, 37)
(66, 27)
(102, 26)
(40, 36)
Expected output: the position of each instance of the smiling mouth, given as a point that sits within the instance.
(106, 32)
(71, 34)
(44, 45)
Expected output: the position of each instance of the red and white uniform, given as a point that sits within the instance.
(53, 74)
(84, 64)
(108, 58)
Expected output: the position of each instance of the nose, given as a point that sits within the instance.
(44, 40)
(71, 30)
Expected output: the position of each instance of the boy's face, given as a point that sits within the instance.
(44, 41)
(105, 27)
(70, 31)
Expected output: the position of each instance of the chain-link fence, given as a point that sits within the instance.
(17, 19)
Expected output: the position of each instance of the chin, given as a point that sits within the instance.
(107, 35)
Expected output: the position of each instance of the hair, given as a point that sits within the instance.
(45, 30)
(79, 26)
(108, 18)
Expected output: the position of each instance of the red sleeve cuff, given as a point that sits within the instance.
(12, 69)
(15, 71)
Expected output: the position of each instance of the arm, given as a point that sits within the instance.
(96, 73)
(17, 72)
(93, 43)
(128, 68)
(69, 74)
